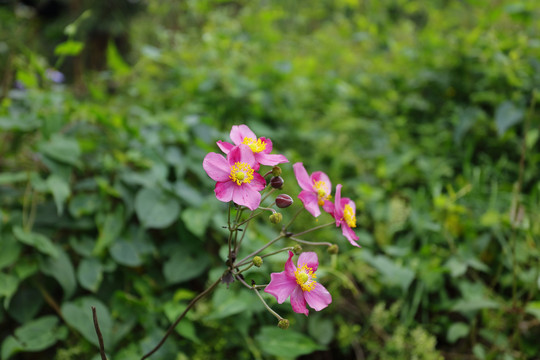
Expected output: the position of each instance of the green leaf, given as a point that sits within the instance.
(533, 308)
(34, 336)
(321, 329)
(8, 178)
(11, 249)
(185, 265)
(83, 204)
(38, 241)
(156, 209)
(25, 304)
(60, 190)
(109, 230)
(62, 149)
(456, 331)
(474, 304)
(69, 48)
(507, 115)
(62, 270)
(126, 253)
(8, 285)
(78, 314)
(196, 220)
(115, 61)
(185, 328)
(90, 274)
(285, 343)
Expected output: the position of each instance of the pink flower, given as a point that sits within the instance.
(299, 284)
(344, 210)
(261, 147)
(235, 176)
(316, 188)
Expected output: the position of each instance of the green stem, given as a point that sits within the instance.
(190, 305)
(256, 252)
(310, 242)
(313, 229)
(260, 297)
(293, 218)
(277, 252)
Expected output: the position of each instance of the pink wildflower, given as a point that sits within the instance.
(261, 147)
(316, 188)
(344, 211)
(299, 284)
(235, 176)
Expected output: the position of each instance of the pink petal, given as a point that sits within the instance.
(242, 153)
(318, 298)
(289, 267)
(302, 177)
(258, 183)
(225, 190)
(347, 201)
(246, 196)
(298, 302)
(310, 201)
(338, 212)
(217, 167)
(239, 132)
(329, 207)
(270, 159)
(309, 259)
(225, 146)
(349, 234)
(268, 147)
(320, 176)
(281, 286)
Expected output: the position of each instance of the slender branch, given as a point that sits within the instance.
(313, 229)
(256, 252)
(239, 278)
(99, 336)
(310, 242)
(190, 305)
(277, 252)
(293, 218)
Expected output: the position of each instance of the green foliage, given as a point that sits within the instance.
(425, 111)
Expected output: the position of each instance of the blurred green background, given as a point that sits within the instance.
(424, 110)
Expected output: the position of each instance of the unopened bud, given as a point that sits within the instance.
(283, 324)
(333, 249)
(283, 201)
(276, 171)
(297, 249)
(257, 261)
(276, 182)
(276, 218)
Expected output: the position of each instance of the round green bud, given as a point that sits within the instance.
(297, 249)
(283, 324)
(257, 261)
(276, 218)
(276, 171)
(333, 249)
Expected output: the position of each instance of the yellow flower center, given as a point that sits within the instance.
(255, 145)
(348, 215)
(320, 188)
(241, 173)
(304, 278)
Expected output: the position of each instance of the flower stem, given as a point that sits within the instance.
(293, 218)
(310, 242)
(313, 229)
(190, 305)
(260, 297)
(278, 251)
(256, 252)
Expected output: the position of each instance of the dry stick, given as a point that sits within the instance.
(190, 305)
(99, 336)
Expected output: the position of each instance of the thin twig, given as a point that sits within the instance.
(99, 336)
(313, 229)
(190, 305)
(260, 297)
(310, 242)
(256, 252)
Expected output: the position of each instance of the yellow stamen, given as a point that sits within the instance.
(255, 145)
(348, 215)
(304, 278)
(321, 189)
(241, 173)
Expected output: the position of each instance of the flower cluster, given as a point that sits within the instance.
(237, 177)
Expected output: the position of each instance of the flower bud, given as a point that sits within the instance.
(297, 249)
(283, 324)
(283, 201)
(333, 249)
(276, 218)
(276, 182)
(276, 171)
(257, 261)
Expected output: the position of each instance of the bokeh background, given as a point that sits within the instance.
(425, 111)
